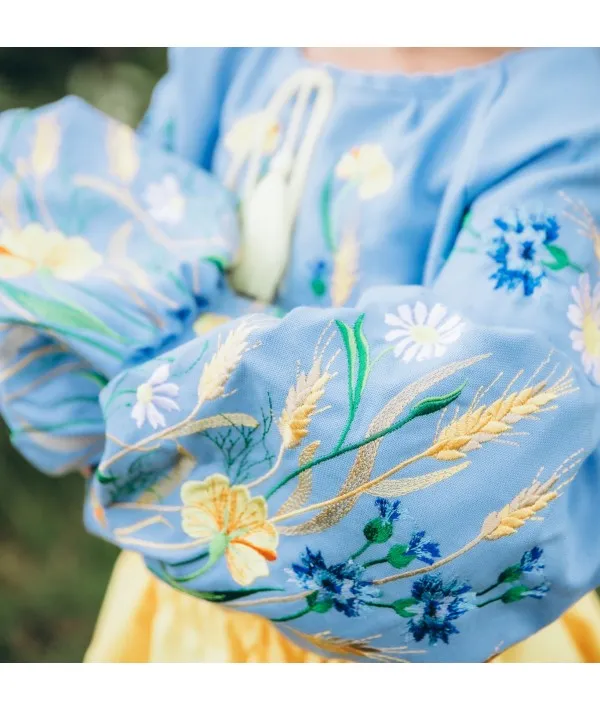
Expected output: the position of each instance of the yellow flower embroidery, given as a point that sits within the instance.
(35, 248)
(368, 167)
(229, 519)
(207, 321)
(240, 139)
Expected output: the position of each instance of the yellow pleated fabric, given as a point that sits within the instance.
(144, 620)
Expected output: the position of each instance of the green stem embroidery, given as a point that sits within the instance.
(490, 601)
(380, 605)
(488, 589)
(199, 557)
(359, 552)
(380, 561)
(291, 617)
(326, 220)
(426, 406)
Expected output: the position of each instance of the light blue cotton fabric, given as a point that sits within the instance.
(406, 460)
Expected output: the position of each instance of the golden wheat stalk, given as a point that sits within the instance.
(480, 424)
(301, 404)
(218, 370)
(215, 376)
(326, 641)
(582, 217)
(498, 524)
(528, 502)
(345, 269)
(468, 432)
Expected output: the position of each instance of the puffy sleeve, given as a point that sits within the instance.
(112, 251)
(411, 479)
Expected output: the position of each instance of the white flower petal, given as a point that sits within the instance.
(165, 403)
(401, 346)
(160, 375)
(411, 352)
(405, 313)
(168, 388)
(138, 414)
(452, 335)
(395, 334)
(575, 315)
(391, 319)
(155, 418)
(426, 353)
(440, 349)
(451, 323)
(420, 312)
(436, 315)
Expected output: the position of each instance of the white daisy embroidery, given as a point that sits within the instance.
(584, 314)
(165, 202)
(153, 394)
(422, 334)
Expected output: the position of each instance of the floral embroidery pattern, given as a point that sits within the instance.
(435, 605)
(365, 173)
(524, 249)
(368, 168)
(239, 140)
(340, 586)
(36, 249)
(422, 334)
(153, 394)
(234, 524)
(584, 314)
(165, 202)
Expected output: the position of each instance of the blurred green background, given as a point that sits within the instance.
(52, 574)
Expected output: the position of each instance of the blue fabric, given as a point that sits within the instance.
(407, 460)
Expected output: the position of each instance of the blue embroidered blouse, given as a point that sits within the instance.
(397, 455)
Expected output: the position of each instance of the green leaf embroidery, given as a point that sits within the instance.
(401, 607)
(398, 558)
(561, 259)
(326, 214)
(49, 311)
(434, 404)
(321, 606)
(229, 596)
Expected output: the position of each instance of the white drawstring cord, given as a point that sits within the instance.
(270, 203)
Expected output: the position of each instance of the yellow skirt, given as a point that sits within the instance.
(144, 620)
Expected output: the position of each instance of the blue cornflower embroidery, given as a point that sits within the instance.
(341, 585)
(388, 511)
(524, 249)
(436, 605)
(532, 560)
(423, 549)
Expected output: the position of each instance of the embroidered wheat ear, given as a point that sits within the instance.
(345, 267)
(363, 647)
(526, 504)
(523, 507)
(217, 372)
(301, 404)
(211, 385)
(480, 424)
